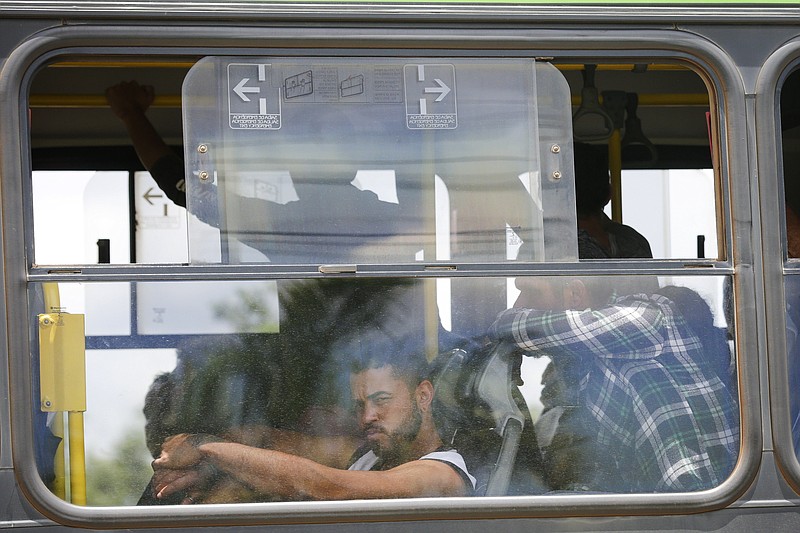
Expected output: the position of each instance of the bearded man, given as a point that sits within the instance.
(402, 455)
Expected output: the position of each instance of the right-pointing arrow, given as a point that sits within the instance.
(442, 89)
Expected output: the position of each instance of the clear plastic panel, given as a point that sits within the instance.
(528, 417)
(379, 160)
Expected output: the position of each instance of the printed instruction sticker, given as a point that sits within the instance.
(430, 97)
(252, 103)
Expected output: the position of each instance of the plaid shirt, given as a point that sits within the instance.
(660, 424)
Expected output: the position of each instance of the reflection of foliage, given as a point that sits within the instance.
(319, 319)
(237, 385)
(119, 480)
(274, 379)
(252, 314)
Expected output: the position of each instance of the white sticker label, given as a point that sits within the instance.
(252, 103)
(430, 97)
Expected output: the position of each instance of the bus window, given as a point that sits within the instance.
(331, 210)
(669, 197)
(678, 220)
(75, 212)
(790, 137)
(114, 213)
(531, 400)
(663, 186)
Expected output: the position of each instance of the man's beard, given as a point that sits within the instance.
(399, 439)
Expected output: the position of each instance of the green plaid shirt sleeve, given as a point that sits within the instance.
(665, 424)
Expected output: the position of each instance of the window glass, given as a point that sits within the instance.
(790, 137)
(354, 168)
(537, 385)
(160, 224)
(673, 209)
(379, 160)
(578, 384)
(74, 212)
(645, 186)
(793, 352)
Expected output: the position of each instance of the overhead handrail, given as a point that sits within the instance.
(635, 145)
(663, 100)
(91, 101)
(591, 122)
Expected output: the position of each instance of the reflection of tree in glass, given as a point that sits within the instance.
(251, 313)
(118, 480)
(296, 379)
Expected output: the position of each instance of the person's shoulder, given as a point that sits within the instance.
(648, 308)
(589, 248)
(630, 242)
(455, 460)
(619, 228)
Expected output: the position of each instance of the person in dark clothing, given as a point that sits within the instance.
(599, 237)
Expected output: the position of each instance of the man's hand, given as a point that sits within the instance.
(181, 467)
(183, 450)
(168, 482)
(179, 452)
(129, 101)
(128, 98)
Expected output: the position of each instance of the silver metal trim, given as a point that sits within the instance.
(749, 14)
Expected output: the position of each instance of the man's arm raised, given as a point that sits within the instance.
(129, 101)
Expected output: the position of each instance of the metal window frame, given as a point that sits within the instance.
(771, 78)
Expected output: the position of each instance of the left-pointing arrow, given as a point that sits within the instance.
(241, 89)
(148, 195)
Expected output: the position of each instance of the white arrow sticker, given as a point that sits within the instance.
(442, 89)
(241, 89)
(430, 92)
(248, 112)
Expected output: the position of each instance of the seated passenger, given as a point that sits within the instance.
(654, 416)
(561, 437)
(599, 237)
(402, 455)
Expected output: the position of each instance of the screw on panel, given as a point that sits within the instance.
(555, 148)
(203, 175)
(556, 175)
(203, 148)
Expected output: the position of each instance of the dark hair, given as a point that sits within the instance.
(592, 183)
(374, 349)
(160, 419)
(697, 314)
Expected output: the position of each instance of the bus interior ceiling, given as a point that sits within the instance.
(71, 125)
